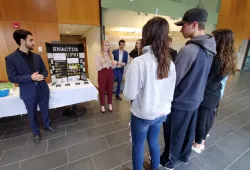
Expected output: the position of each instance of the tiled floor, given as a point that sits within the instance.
(100, 142)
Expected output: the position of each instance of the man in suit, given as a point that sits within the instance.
(172, 52)
(28, 70)
(121, 56)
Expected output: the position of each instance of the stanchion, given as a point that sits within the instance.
(72, 112)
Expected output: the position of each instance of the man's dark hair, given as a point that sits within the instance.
(20, 34)
(121, 41)
(201, 25)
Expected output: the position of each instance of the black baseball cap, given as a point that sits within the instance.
(194, 14)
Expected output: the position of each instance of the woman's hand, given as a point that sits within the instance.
(114, 63)
(118, 64)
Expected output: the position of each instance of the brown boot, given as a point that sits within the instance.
(147, 166)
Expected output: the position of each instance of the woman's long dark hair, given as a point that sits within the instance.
(225, 50)
(138, 50)
(155, 33)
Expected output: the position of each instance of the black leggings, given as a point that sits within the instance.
(204, 123)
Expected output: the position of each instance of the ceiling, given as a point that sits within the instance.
(72, 29)
(113, 18)
(173, 8)
(211, 5)
(129, 23)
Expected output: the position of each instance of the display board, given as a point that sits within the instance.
(66, 62)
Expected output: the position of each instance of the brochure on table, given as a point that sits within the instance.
(66, 64)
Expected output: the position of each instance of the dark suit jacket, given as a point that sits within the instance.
(19, 72)
(173, 53)
(124, 58)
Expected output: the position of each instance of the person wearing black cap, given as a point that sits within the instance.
(193, 64)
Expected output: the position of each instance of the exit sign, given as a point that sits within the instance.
(16, 25)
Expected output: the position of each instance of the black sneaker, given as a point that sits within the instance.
(118, 98)
(36, 139)
(184, 161)
(166, 166)
(51, 129)
(163, 160)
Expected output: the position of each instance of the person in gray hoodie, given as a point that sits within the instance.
(193, 64)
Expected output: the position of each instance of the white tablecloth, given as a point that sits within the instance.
(59, 96)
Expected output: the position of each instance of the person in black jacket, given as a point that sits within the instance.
(136, 51)
(172, 52)
(222, 66)
(27, 69)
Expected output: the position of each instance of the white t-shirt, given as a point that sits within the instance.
(120, 56)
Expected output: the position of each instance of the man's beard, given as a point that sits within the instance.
(29, 47)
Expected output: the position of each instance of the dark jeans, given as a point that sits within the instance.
(179, 132)
(205, 122)
(140, 130)
(42, 99)
(119, 81)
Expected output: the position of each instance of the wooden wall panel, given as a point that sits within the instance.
(42, 32)
(234, 14)
(71, 39)
(11, 10)
(94, 7)
(39, 10)
(78, 12)
(225, 7)
(3, 52)
(30, 10)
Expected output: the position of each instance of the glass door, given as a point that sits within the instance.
(246, 64)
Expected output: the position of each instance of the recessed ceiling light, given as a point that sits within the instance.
(126, 29)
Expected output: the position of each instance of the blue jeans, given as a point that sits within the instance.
(140, 129)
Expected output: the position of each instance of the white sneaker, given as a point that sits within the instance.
(196, 149)
(202, 147)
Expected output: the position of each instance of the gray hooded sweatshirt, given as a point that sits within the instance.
(192, 65)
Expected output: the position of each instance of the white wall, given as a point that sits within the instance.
(93, 49)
